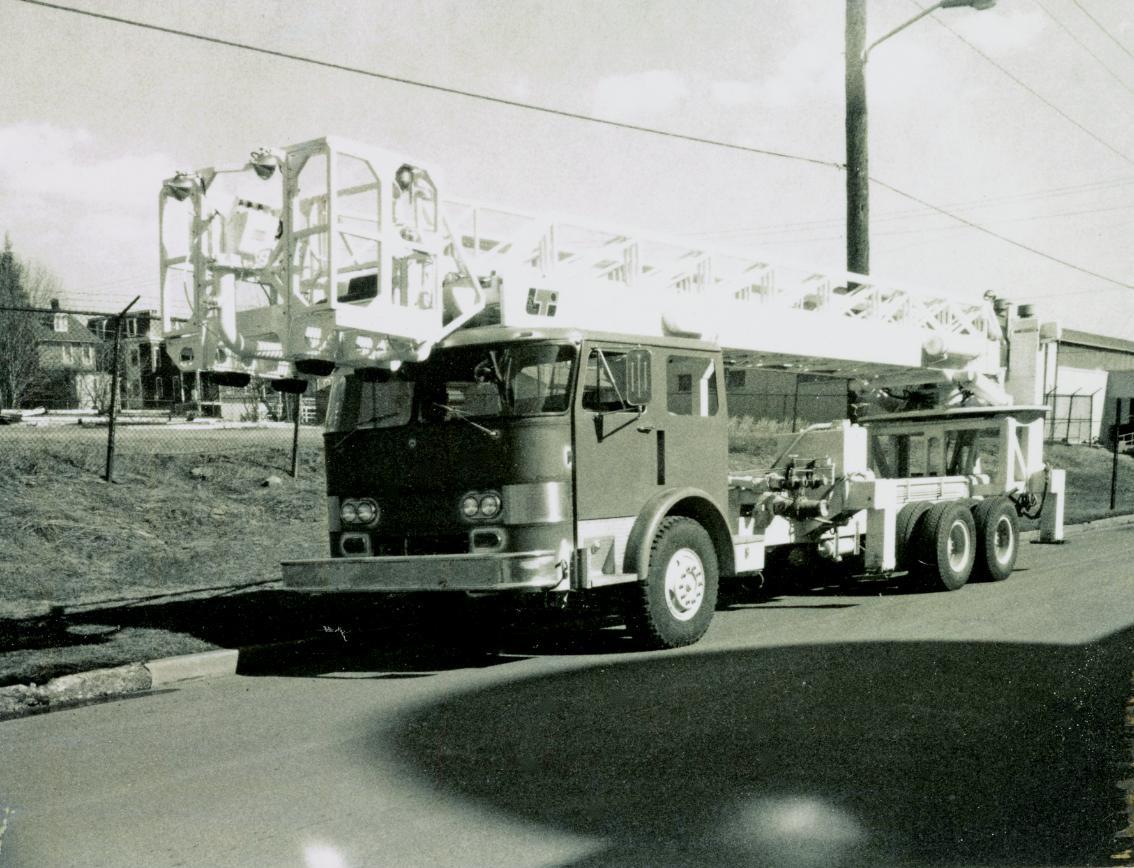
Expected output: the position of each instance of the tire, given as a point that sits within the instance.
(905, 548)
(674, 604)
(945, 546)
(998, 539)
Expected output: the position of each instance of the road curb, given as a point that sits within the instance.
(1108, 523)
(20, 700)
(189, 667)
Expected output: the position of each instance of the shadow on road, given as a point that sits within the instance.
(278, 632)
(842, 754)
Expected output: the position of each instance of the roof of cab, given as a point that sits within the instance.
(491, 334)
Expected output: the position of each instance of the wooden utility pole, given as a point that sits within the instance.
(858, 172)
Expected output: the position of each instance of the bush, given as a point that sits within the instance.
(758, 439)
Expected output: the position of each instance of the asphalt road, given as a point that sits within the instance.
(818, 727)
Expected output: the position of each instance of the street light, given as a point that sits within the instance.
(265, 161)
(181, 185)
(858, 174)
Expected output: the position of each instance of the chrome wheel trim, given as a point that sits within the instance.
(1004, 540)
(960, 546)
(684, 584)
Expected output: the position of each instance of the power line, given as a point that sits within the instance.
(1086, 48)
(618, 124)
(1021, 83)
(952, 228)
(997, 235)
(133, 277)
(1053, 192)
(1100, 26)
(436, 87)
(1026, 219)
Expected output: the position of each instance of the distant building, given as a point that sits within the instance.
(149, 380)
(1078, 376)
(781, 395)
(1086, 373)
(69, 358)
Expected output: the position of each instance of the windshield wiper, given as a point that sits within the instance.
(464, 417)
(365, 426)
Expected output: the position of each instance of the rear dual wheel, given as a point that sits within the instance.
(998, 539)
(943, 545)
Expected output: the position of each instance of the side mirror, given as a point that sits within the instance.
(638, 390)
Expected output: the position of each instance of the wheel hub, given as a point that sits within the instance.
(684, 584)
(959, 545)
(1004, 541)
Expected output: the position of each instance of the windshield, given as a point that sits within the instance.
(502, 381)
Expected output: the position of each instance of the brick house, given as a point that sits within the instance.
(69, 360)
(148, 378)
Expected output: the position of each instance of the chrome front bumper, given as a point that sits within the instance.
(538, 570)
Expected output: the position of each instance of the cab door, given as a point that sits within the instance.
(696, 443)
(618, 446)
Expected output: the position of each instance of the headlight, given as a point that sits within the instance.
(490, 505)
(359, 511)
(481, 505)
(470, 506)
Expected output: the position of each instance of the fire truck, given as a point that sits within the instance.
(528, 406)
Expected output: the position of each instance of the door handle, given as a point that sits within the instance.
(645, 429)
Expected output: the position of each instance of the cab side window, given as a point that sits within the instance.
(691, 386)
(604, 381)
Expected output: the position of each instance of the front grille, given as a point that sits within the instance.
(422, 544)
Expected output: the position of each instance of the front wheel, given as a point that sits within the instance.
(674, 604)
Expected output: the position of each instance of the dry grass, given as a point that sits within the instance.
(755, 443)
(68, 537)
(1088, 481)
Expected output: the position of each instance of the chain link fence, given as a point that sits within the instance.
(1071, 418)
(64, 383)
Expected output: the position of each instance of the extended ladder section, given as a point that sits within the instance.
(333, 254)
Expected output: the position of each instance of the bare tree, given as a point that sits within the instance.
(19, 351)
(40, 283)
(258, 401)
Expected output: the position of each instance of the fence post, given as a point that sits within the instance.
(295, 440)
(114, 390)
(1114, 461)
(1070, 413)
(795, 404)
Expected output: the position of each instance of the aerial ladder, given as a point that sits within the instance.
(334, 254)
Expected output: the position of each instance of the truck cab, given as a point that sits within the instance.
(533, 461)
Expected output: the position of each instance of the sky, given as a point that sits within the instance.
(1019, 119)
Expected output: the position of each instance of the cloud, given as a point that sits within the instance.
(733, 93)
(89, 218)
(46, 163)
(1002, 30)
(640, 95)
(810, 72)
